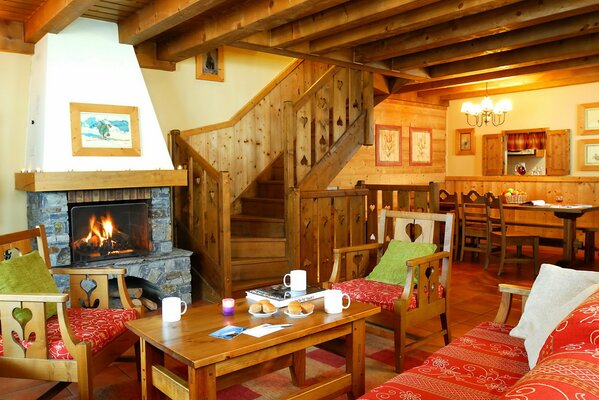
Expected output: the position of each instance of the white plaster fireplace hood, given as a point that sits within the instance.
(85, 63)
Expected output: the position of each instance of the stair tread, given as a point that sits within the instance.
(257, 239)
(249, 217)
(264, 199)
(256, 260)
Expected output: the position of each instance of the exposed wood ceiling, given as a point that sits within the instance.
(445, 48)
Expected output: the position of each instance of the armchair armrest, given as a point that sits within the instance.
(507, 295)
(338, 254)
(424, 260)
(36, 297)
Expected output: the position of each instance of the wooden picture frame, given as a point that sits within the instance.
(588, 119)
(588, 155)
(104, 130)
(388, 145)
(464, 140)
(421, 146)
(210, 66)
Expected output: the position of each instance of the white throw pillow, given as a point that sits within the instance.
(551, 299)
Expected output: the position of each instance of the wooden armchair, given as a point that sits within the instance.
(77, 342)
(406, 305)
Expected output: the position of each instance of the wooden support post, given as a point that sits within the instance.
(225, 233)
(368, 107)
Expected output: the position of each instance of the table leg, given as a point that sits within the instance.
(298, 368)
(202, 383)
(354, 358)
(149, 356)
(569, 237)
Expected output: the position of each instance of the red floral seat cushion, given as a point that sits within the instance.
(97, 326)
(377, 293)
(483, 364)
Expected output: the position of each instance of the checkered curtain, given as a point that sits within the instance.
(524, 141)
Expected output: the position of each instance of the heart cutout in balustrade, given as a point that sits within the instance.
(414, 231)
(357, 260)
(23, 343)
(371, 207)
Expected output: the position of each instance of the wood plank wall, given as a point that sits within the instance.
(404, 113)
(253, 142)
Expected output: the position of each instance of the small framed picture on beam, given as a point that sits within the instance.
(210, 65)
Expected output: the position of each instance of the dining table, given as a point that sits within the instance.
(568, 213)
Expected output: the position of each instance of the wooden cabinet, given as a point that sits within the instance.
(494, 154)
(557, 161)
(557, 153)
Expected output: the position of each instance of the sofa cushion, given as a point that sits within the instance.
(94, 325)
(483, 364)
(378, 293)
(392, 266)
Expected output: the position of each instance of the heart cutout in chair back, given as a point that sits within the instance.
(88, 286)
(22, 315)
(414, 231)
(357, 260)
(23, 343)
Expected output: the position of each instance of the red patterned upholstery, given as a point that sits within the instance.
(97, 326)
(483, 364)
(373, 292)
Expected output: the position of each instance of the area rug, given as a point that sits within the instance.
(319, 364)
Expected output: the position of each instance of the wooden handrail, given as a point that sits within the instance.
(315, 194)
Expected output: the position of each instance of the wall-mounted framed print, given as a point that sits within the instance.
(210, 66)
(388, 145)
(588, 155)
(421, 146)
(588, 119)
(464, 140)
(104, 130)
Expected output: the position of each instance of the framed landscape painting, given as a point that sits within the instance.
(104, 130)
(421, 146)
(388, 145)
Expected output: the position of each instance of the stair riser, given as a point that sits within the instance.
(258, 229)
(278, 173)
(271, 190)
(240, 249)
(261, 208)
(273, 269)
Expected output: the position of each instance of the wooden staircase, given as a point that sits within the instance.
(258, 235)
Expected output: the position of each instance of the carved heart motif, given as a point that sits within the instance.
(88, 286)
(372, 207)
(304, 121)
(414, 231)
(355, 104)
(307, 263)
(23, 314)
(357, 260)
(304, 161)
(23, 343)
(322, 141)
(339, 84)
(339, 122)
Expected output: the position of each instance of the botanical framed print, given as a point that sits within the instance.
(210, 65)
(588, 155)
(388, 144)
(464, 141)
(421, 146)
(588, 119)
(104, 130)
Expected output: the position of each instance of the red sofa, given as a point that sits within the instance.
(488, 363)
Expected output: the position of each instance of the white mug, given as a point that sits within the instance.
(333, 301)
(171, 309)
(297, 278)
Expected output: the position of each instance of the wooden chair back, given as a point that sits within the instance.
(475, 226)
(21, 243)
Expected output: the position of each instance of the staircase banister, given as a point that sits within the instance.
(315, 194)
(323, 80)
(210, 170)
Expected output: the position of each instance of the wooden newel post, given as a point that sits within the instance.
(368, 108)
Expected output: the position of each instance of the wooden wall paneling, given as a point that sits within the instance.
(355, 94)
(239, 170)
(340, 95)
(303, 156)
(341, 221)
(322, 122)
(211, 216)
(260, 137)
(308, 241)
(275, 116)
(325, 237)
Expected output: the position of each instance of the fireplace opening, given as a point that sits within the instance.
(102, 231)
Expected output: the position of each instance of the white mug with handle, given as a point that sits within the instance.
(171, 309)
(297, 280)
(333, 301)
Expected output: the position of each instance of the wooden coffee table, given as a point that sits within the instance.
(246, 357)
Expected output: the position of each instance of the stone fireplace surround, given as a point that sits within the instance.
(167, 269)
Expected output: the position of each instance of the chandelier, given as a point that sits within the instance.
(485, 112)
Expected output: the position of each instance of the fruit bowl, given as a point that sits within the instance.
(515, 199)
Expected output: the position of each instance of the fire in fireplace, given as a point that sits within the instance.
(110, 230)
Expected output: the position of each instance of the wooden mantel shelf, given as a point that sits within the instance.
(91, 180)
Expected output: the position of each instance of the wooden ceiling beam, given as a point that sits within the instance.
(556, 30)
(53, 16)
(146, 57)
(340, 18)
(405, 22)
(12, 38)
(555, 51)
(255, 16)
(516, 16)
(159, 16)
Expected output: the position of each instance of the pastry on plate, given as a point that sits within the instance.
(294, 307)
(307, 308)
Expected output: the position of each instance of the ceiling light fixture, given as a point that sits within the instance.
(486, 112)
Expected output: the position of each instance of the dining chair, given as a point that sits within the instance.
(449, 203)
(475, 226)
(504, 238)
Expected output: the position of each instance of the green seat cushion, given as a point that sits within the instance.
(392, 267)
(27, 274)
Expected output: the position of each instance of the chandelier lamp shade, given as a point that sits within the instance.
(486, 111)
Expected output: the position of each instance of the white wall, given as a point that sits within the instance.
(14, 81)
(554, 108)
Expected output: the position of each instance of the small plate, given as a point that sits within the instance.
(302, 315)
(263, 315)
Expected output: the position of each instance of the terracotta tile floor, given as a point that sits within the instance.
(474, 299)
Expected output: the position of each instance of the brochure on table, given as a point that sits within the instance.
(281, 295)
